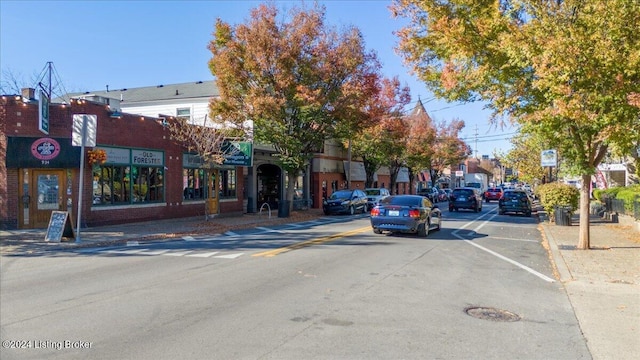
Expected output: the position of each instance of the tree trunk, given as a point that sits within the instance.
(585, 196)
(291, 182)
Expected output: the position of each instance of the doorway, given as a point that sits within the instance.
(46, 193)
(269, 189)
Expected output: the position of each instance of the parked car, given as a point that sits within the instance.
(465, 198)
(430, 193)
(515, 201)
(442, 195)
(494, 193)
(406, 214)
(374, 195)
(345, 202)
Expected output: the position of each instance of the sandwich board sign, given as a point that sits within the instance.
(59, 226)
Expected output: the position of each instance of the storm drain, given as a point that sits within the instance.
(492, 314)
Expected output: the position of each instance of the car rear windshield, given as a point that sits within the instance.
(462, 192)
(402, 200)
(514, 195)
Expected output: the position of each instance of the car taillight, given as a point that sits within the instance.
(414, 213)
(375, 211)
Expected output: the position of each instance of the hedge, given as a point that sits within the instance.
(556, 194)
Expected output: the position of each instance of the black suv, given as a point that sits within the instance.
(465, 198)
(345, 202)
(514, 201)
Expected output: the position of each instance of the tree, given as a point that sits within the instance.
(525, 157)
(434, 146)
(297, 82)
(564, 67)
(372, 141)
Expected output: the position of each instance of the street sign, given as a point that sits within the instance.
(549, 158)
(79, 121)
(43, 113)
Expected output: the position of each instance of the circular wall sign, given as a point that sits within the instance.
(45, 149)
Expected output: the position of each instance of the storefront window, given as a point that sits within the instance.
(227, 184)
(118, 184)
(193, 184)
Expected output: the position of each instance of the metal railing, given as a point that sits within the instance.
(618, 206)
(302, 204)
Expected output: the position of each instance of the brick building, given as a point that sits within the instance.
(140, 173)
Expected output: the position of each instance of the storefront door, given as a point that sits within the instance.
(49, 194)
(213, 198)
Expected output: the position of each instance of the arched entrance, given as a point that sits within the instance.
(269, 185)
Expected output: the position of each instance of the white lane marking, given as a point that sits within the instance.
(203, 255)
(229, 256)
(522, 266)
(230, 233)
(269, 230)
(155, 252)
(132, 243)
(188, 238)
(177, 253)
(127, 252)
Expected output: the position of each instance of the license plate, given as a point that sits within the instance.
(394, 213)
(462, 199)
(514, 200)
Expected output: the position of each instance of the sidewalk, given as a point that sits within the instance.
(602, 284)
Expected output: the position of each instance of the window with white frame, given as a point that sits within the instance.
(184, 113)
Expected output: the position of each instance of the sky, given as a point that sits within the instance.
(127, 44)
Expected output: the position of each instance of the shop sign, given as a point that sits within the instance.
(237, 153)
(147, 157)
(46, 152)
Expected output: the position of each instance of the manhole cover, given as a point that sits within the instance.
(491, 314)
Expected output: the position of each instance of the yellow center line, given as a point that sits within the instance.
(311, 242)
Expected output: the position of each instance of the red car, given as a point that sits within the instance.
(492, 194)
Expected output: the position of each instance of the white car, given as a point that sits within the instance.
(374, 195)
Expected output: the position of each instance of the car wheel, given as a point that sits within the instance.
(423, 230)
(352, 210)
(501, 212)
(527, 214)
(326, 212)
(377, 231)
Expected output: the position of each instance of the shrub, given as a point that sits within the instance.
(555, 194)
(597, 194)
(628, 195)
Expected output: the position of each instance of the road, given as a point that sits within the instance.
(482, 287)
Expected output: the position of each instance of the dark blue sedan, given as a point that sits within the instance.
(413, 214)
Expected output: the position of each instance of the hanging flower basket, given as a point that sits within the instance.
(97, 156)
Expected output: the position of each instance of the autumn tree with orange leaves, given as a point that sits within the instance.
(384, 132)
(564, 68)
(291, 80)
(434, 146)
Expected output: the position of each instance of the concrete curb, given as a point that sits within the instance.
(558, 259)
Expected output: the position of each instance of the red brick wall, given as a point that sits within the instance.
(20, 119)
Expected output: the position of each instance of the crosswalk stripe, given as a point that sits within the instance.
(127, 252)
(230, 256)
(203, 255)
(178, 253)
(155, 252)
